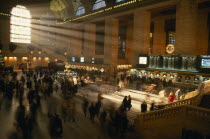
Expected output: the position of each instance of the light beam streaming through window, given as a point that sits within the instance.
(20, 28)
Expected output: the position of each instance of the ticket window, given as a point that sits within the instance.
(158, 76)
(196, 81)
(140, 74)
(152, 75)
(187, 80)
(179, 79)
(134, 72)
(172, 78)
(164, 76)
(145, 74)
(205, 79)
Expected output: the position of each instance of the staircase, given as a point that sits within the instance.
(170, 121)
(203, 89)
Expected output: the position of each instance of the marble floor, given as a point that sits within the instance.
(83, 127)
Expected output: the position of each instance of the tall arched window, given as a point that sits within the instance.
(80, 11)
(20, 28)
(116, 1)
(99, 4)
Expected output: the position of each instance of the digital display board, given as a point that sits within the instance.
(205, 63)
(143, 60)
(82, 59)
(73, 59)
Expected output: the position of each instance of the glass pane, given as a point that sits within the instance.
(99, 4)
(20, 28)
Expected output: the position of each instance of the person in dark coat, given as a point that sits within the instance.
(97, 107)
(92, 111)
(125, 103)
(20, 116)
(152, 108)
(29, 84)
(56, 128)
(129, 103)
(102, 118)
(144, 107)
(85, 106)
(124, 124)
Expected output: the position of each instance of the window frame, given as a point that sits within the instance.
(20, 32)
(80, 10)
(99, 1)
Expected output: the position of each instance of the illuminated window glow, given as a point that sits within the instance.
(99, 4)
(20, 28)
(80, 11)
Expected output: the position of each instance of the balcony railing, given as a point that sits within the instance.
(174, 112)
(195, 101)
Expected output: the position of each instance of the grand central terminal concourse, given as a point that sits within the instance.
(105, 69)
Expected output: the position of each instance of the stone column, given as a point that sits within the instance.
(5, 33)
(141, 34)
(89, 40)
(129, 42)
(111, 41)
(186, 19)
(202, 33)
(75, 42)
(159, 45)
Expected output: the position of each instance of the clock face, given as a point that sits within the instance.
(170, 49)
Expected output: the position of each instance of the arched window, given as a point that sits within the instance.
(116, 1)
(20, 25)
(80, 11)
(99, 4)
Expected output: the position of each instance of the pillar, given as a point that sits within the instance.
(111, 41)
(141, 34)
(186, 19)
(89, 40)
(75, 41)
(159, 40)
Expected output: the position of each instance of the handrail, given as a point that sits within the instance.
(195, 100)
(170, 113)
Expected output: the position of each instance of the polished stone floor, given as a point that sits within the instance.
(82, 128)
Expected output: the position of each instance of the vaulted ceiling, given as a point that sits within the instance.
(62, 9)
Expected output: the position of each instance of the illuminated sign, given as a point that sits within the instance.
(73, 59)
(143, 60)
(205, 63)
(82, 59)
(93, 60)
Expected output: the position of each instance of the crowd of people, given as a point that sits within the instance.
(30, 88)
(33, 86)
(36, 85)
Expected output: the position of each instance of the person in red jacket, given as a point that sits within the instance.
(171, 97)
